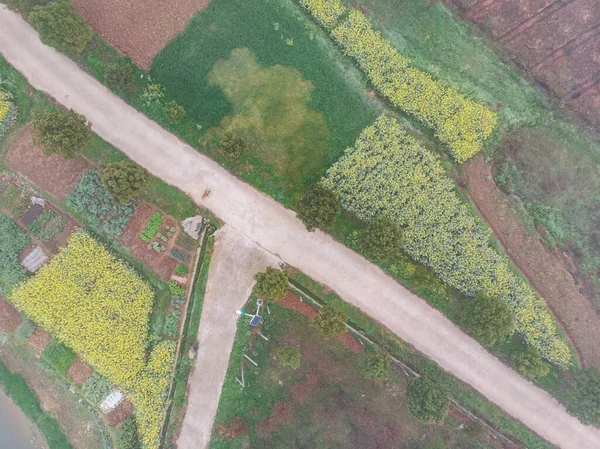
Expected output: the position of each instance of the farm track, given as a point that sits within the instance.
(276, 229)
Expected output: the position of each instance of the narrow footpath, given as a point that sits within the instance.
(276, 229)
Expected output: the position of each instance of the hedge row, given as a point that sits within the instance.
(459, 122)
(387, 173)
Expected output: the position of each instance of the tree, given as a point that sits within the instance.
(426, 400)
(60, 26)
(529, 363)
(289, 356)
(233, 147)
(583, 398)
(487, 319)
(272, 284)
(318, 207)
(330, 321)
(124, 180)
(381, 238)
(118, 76)
(377, 366)
(61, 131)
(174, 113)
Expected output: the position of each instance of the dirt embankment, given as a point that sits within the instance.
(538, 264)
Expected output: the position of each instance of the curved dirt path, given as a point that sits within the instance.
(277, 230)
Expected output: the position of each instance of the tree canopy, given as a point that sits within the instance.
(61, 131)
(529, 363)
(272, 284)
(426, 400)
(381, 238)
(124, 180)
(318, 207)
(487, 319)
(330, 321)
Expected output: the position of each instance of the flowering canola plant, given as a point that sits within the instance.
(461, 123)
(387, 173)
(97, 305)
(8, 112)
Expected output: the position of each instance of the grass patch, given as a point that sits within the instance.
(16, 388)
(59, 356)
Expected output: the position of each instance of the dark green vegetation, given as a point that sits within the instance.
(59, 356)
(529, 363)
(16, 388)
(233, 147)
(96, 389)
(127, 437)
(272, 284)
(377, 366)
(47, 225)
(583, 400)
(61, 131)
(330, 321)
(381, 238)
(124, 180)
(426, 400)
(12, 241)
(60, 26)
(174, 113)
(487, 319)
(318, 207)
(118, 76)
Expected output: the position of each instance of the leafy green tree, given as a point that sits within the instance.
(426, 400)
(381, 238)
(583, 398)
(377, 366)
(487, 319)
(272, 284)
(60, 26)
(330, 321)
(289, 356)
(174, 113)
(124, 180)
(529, 363)
(118, 76)
(318, 207)
(233, 147)
(61, 131)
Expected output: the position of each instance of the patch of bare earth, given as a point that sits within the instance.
(139, 28)
(350, 342)
(39, 340)
(163, 264)
(293, 302)
(10, 319)
(282, 416)
(233, 428)
(80, 371)
(120, 413)
(53, 174)
(540, 266)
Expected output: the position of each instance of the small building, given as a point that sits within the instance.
(34, 260)
(112, 400)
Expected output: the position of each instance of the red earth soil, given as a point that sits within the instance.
(120, 413)
(282, 416)
(351, 342)
(293, 302)
(233, 428)
(80, 371)
(557, 42)
(539, 265)
(40, 340)
(303, 391)
(10, 319)
(139, 28)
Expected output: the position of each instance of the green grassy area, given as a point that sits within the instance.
(16, 388)
(322, 403)
(467, 396)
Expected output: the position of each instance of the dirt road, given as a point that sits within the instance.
(234, 263)
(277, 230)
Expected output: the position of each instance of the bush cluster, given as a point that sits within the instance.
(426, 400)
(388, 174)
(272, 284)
(461, 123)
(61, 131)
(330, 321)
(124, 180)
(318, 207)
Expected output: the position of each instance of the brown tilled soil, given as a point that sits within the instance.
(80, 371)
(233, 428)
(163, 264)
(120, 413)
(293, 302)
(351, 342)
(139, 28)
(282, 416)
(39, 340)
(10, 319)
(539, 265)
(555, 42)
(52, 174)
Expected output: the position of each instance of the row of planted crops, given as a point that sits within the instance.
(388, 174)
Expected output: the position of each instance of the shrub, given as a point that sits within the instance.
(127, 435)
(152, 227)
(318, 207)
(377, 366)
(381, 238)
(174, 113)
(583, 398)
(529, 363)
(12, 241)
(388, 174)
(289, 356)
(61, 27)
(8, 112)
(26, 329)
(486, 319)
(118, 76)
(181, 269)
(153, 93)
(330, 321)
(90, 198)
(426, 400)
(175, 288)
(124, 180)
(233, 147)
(59, 356)
(96, 389)
(47, 225)
(272, 284)
(61, 131)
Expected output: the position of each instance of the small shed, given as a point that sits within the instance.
(34, 260)
(112, 400)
